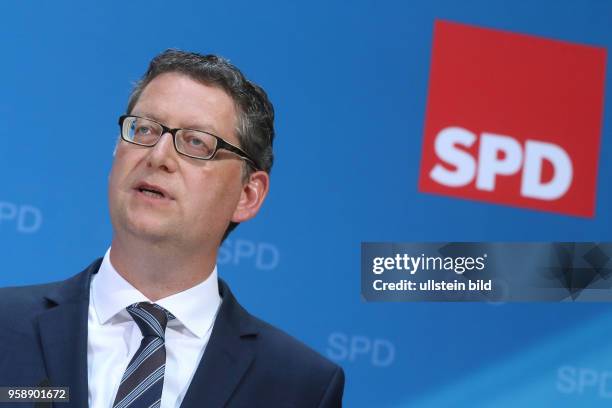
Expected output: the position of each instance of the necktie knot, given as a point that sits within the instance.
(150, 318)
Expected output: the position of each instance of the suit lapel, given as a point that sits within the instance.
(228, 355)
(63, 336)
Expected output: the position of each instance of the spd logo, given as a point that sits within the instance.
(513, 119)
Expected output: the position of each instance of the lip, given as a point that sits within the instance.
(149, 186)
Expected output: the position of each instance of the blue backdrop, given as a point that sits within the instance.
(349, 83)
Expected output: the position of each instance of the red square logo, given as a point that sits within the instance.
(513, 119)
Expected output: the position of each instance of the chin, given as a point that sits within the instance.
(147, 228)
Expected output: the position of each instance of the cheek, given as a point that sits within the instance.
(215, 195)
(119, 172)
(113, 188)
(126, 160)
(115, 176)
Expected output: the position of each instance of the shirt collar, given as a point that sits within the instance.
(194, 308)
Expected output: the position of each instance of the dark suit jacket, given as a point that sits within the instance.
(247, 362)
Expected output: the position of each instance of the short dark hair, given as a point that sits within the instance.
(255, 113)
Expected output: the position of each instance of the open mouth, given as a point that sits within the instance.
(151, 193)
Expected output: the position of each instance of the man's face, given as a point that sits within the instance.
(200, 196)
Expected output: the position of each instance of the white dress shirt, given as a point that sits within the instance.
(113, 337)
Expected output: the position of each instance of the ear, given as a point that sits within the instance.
(254, 191)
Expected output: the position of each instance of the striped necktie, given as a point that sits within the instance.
(143, 380)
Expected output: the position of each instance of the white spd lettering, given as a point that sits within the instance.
(501, 155)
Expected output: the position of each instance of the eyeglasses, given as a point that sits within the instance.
(189, 142)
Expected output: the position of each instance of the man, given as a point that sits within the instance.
(150, 324)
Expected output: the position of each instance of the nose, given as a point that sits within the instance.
(163, 155)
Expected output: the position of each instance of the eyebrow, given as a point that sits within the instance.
(192, 125)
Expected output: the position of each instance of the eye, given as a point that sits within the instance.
(142, 130)
(195, 141)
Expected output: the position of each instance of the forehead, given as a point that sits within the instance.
(177, 100)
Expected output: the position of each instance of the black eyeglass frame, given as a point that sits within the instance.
(221, 143)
